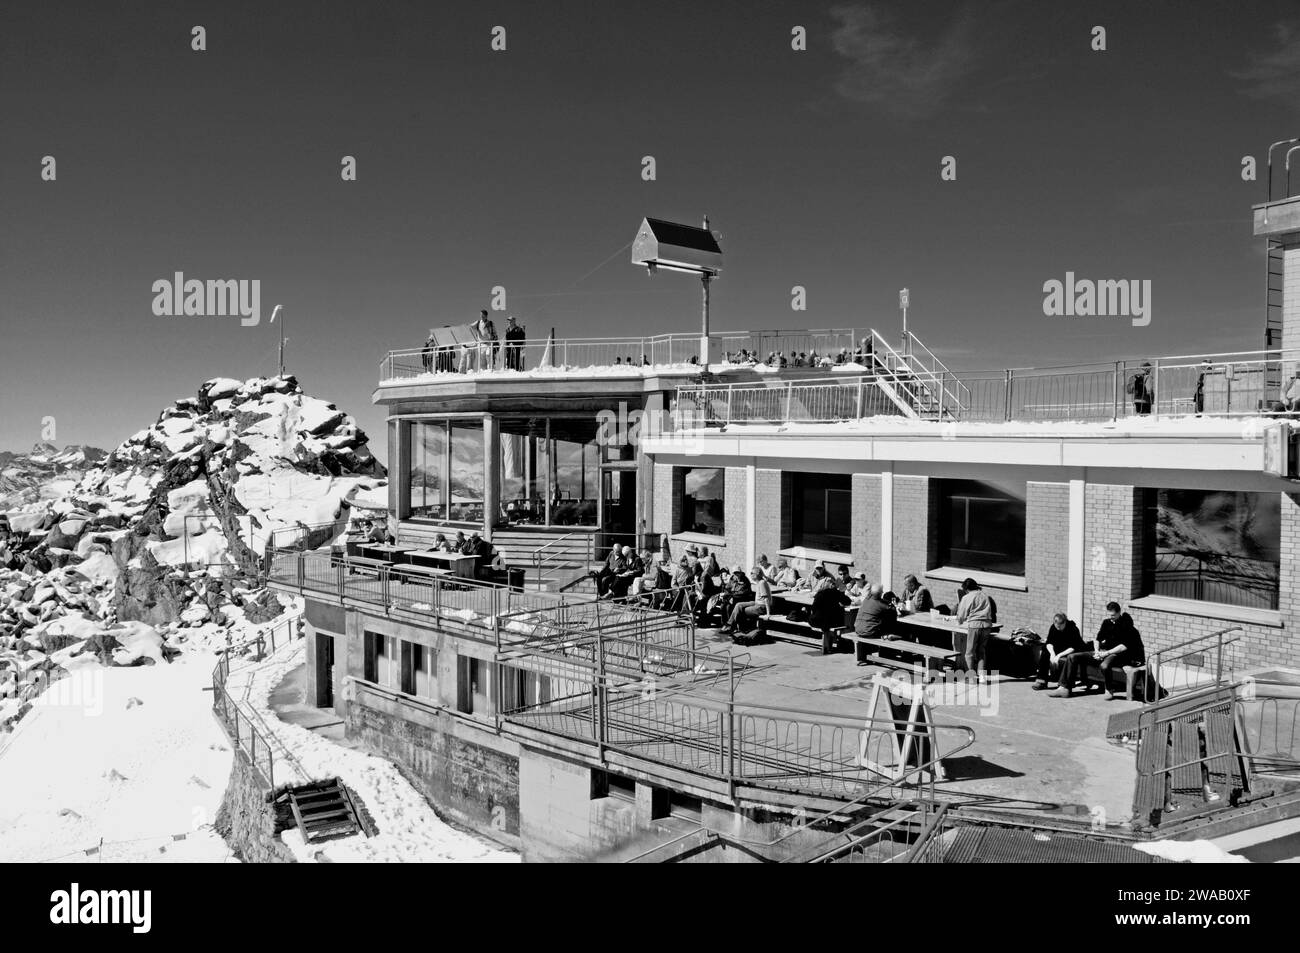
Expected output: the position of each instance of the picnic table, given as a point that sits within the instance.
(938, 623)
(921, 655)
(459, 564)
(393, 552)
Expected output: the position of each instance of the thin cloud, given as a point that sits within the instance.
(1274, 75)
(896, 72)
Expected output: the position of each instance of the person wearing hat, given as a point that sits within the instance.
(1142, 390)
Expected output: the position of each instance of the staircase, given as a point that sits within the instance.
(324, 811)
(918, 383)
(552, 560)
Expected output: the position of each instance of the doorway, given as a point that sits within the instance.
(618, 508)
(324, 670)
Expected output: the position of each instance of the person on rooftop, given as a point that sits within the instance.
(487, 336)
(975, 611)
(1063, 640)
(515, 337)
(1198, 396)
(1142, 390)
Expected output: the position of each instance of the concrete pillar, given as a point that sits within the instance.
(1076, 552)
(751, 519)
(491, 473)
(887, 529)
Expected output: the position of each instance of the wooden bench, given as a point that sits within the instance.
(367, 562)
(926, 653)
(408, 569)
(777, 622)
(1131, 675)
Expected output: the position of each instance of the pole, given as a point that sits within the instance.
(704, 333)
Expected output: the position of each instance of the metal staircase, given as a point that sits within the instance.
(917, 382)
(324, 810)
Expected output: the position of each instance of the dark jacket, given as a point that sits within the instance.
(1122, 632)
(875, 618)
(827, 611)
(924, 603)
(1067, 638)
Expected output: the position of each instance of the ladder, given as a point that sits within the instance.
(1273, 317)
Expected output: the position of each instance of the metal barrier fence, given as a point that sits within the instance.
(243, 725)
(677, 349)
(1217, 385)
(1196, 663)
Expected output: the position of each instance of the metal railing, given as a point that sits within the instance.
(1200, 662)
(1215, 385)
(242, 723)
(556, 354)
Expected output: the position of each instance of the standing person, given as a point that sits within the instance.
(827, 613)
(1198, 398)
(429, 352)
(515, 336)
(1063, 640)
(975, 611)
(1118, 644)
(916, 597)
(1142, 390)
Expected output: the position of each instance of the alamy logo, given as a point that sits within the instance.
(1108, 298)
(212, 298)
(75, 906)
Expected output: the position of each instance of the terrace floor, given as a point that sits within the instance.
(1032, 754)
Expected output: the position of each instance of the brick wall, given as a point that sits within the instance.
(1290, 299)
(915, 534)
(865, 540)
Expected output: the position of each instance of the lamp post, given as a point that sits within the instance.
(903, 297)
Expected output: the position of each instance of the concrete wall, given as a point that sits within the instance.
(467, 773)
(247, 818)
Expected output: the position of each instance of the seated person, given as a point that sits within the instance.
(826, 614)
(1063, 640)
(785, 575)
(622, 581)
(858, 588)
(916, 597)
(876, 617)
(760, 604)
(1117, 644)
(769, 571)
(843, 579)
(614, 566)
(440, 544)
(646, 581)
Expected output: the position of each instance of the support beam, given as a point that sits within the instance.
(886, 528)
(751, 517)
(1077, 552)
(491, 474)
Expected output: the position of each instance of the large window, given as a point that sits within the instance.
(446, 467)
(821, 510)
(1212, 545)
(550, 471)
(704, 508)
(982, 525)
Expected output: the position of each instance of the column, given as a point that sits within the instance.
(1076, 553)
(491, 474)
(887, 528)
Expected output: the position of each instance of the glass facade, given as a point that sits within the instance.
(549, 471)
(446, 470)
(982, 525)
(1212, 546)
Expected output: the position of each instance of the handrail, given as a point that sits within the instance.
(539, 559)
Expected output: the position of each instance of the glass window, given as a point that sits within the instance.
(466, 473)
(1213, 546)
(575, 472)
(982, 525)
(704, 501)
(446, 470)
(523, 478)
(822, 510)
(428, 456)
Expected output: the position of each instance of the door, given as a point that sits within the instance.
(324, 670)
(618, 508)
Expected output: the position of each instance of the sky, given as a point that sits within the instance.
(523, 168)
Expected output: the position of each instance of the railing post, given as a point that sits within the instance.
(1118, 390)
(1155, 389)
(789, 399)
(600, 697)
(859, 408)
(1006, 397)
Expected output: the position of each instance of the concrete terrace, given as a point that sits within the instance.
(1032, 755)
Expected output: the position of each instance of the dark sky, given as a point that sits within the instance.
(522, 169)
